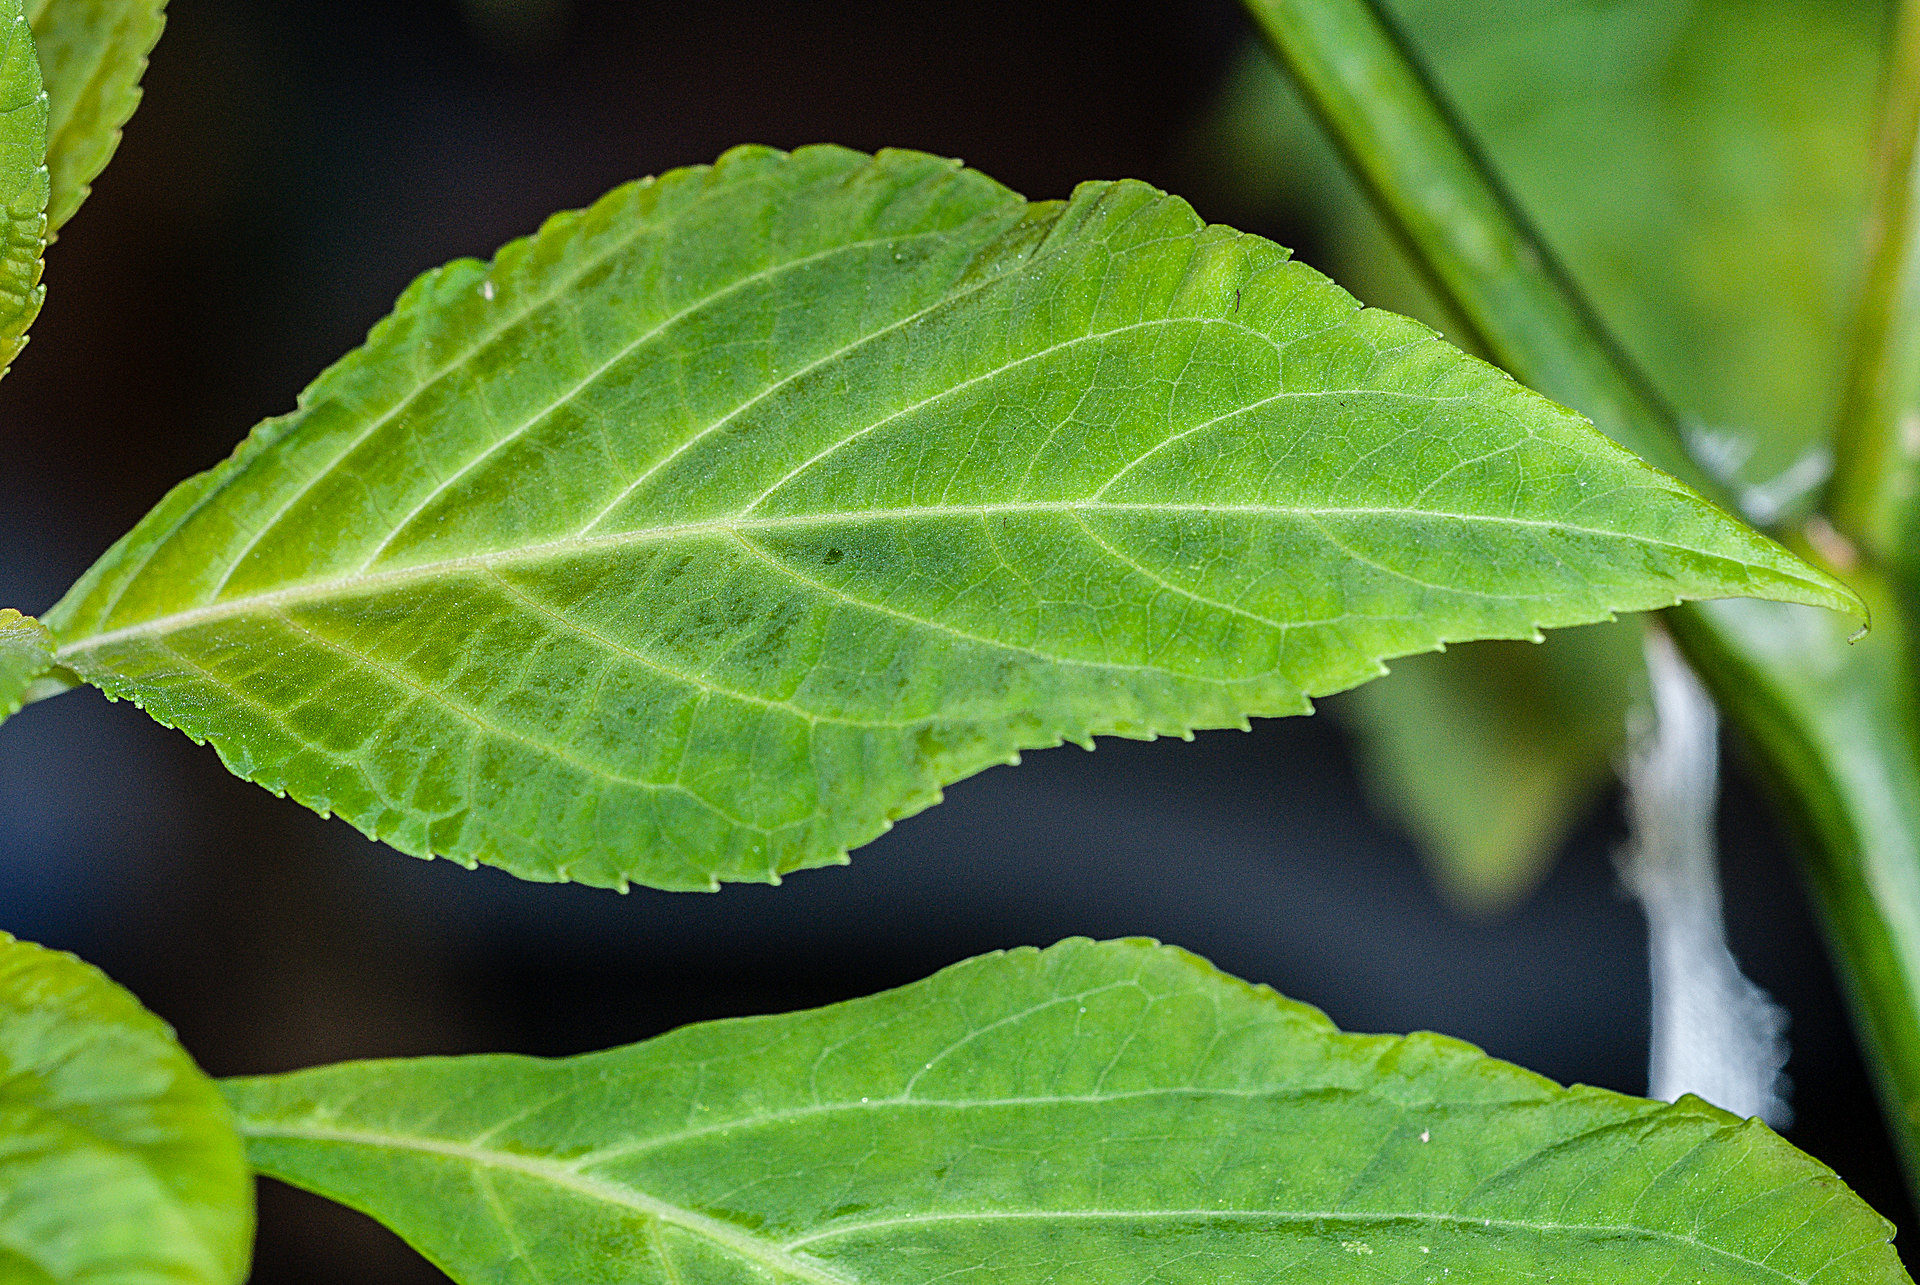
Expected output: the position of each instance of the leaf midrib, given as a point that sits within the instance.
(347, 586)
(780, 1257)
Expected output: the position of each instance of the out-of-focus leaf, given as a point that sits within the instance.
(1489, 752)
(1705, 183)
(26, 652)
(1093, 1114)
(702, 535)
(119, 1164)
(92, 54)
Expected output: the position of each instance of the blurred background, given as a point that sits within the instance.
(296, 162)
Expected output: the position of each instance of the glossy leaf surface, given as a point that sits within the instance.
(23, 181)
(702, 535)
(1116, 1112)
(119, 1164)
(93, 54)
(26, 652)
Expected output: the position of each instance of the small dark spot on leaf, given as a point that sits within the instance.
(833, 556)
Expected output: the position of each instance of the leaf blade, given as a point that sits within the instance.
(841, 478)
(93, 54)
(119, 1163)
(1047, 1115)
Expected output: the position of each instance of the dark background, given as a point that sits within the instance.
(294, 165)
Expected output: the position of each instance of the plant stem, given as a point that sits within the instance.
(1877, 440)
(1833, 723)
(1466, 231)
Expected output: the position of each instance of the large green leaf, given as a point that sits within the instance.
(713, 528)
(93, 53)
(119, 1164)
(23, 181)
(1114, 1112)
(26, 652)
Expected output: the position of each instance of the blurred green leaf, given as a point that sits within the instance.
(26, 652)
(1701, 169)
(1093, 1113)
(93, 54)
(119, 1164)
(1489, 752)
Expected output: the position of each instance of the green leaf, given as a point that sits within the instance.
(119, 1164)
(23, 182)
(26, 652)
(712, 529)
(93, 53)
(1491, 752)
(1096, 1112)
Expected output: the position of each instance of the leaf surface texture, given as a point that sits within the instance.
(717, 526)
(92, 54)
(1097, 1112)
(119, 1164)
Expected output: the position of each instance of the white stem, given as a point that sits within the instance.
(1715, 1034)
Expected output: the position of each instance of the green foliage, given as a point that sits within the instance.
(1704, 189)
(26, 652)
(1708, 193)
(93, 54)
(1094, 1112)
(1491, 751)
(705, 533)
(119, 1164)
(23, 182)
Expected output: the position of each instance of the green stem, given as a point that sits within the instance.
(1466, 231)
(1831, 725)
(1877, 440)
(1832, 722)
